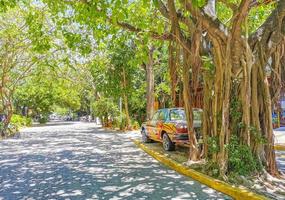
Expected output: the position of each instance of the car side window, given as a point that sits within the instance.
(197, 115)
(155, 116)
(161, 116)
(177, 114)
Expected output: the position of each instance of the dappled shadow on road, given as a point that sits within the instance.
(280, 156)
(54, 123)
(80, 161)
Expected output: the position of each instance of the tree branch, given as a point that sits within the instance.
(256, 3)
(165, 12)
(239, 17)
(129, 27)
(229, 4)
(175, 25)
(155, 35)
(272, 32)
(214, 27)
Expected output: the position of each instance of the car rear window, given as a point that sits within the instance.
(197, 115)
(177, 114)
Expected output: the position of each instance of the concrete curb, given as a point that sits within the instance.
(279, 147)
(234, 192)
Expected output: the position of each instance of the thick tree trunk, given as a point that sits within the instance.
(128, 120)
(239, 76)
(9, 113)
(194, 154)
(150, 84)
(224, 134)
(180, 95)
(257, 147)
(207, 128)
(246, 65)
(222, 96)
(265, 118)
(6, 107)
(173, 60)
(126, 103)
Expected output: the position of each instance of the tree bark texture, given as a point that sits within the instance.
(150, 84)
(239, 78)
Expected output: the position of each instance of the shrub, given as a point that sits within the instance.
(120, 121)
(106, 110)
(213, 145)
(241, 159)
(212, 169)
(20, 121)
(135, 125)
(29, 121)
(1, 127)
(43, 119)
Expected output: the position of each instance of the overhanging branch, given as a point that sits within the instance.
(129, 27)
(272, 32)
(153, 34)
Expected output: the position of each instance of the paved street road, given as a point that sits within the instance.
(82, 161)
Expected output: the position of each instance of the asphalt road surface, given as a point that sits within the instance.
(82, 161)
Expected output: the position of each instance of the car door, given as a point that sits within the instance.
(151, 125)
(159, 124)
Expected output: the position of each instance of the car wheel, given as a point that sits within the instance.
(168, 145)
(145, 138)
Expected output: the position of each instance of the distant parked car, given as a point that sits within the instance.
(282, 115)
(68, 118)
(54, 117)
(2, 117)
(169, 126)
(282, 118)
(275, 120)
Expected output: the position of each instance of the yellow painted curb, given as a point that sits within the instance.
(279, 147)
(235, 192)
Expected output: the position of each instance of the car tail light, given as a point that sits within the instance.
(181, 128)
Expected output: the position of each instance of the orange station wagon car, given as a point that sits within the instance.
(169, 126)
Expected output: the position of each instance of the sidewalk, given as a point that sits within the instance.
(279, 136)
(280, 142)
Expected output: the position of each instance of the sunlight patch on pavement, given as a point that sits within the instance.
(80, 161)
(114, 188)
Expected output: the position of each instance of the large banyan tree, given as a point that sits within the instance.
(228, 46)
(237, 98)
